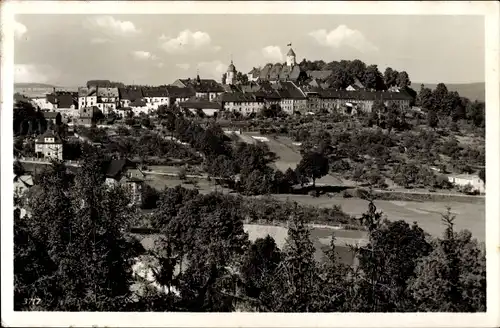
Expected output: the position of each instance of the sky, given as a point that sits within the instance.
(70, 49)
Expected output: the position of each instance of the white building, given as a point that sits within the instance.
(87, 97)
(240, 102)
(49, 145)
(107, 99)
(43, 103)
(473, 180)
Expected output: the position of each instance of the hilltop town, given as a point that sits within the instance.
(199, 187)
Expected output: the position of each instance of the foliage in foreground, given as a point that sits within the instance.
(74, 254)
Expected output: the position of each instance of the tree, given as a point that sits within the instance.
(439, 96)
(482, 174)
(297, 282)
(388, 262)
(340, 78)
(314, 166)
(79, 228)
(392, 118)
(356, 69)
(403, 80)
(257, 182)
(425, 98)
(390, 77)
(373, 79)
(452, 278)
(432, 119)
(258, 270)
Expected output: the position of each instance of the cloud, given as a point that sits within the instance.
(30, 73)
(143, 55)
(160, 65)
(19, 30)
(187, 41)
(212, 70)
(111, 25)
(183, 66)
(343, 36)
(99, 40)
(272, 53)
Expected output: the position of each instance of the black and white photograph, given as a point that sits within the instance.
(223, 158)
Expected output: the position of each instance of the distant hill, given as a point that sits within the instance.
(32, 85)
(473, 91)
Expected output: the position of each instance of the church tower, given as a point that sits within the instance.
(290, 58)
(231, 74)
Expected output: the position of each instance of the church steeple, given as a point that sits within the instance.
(231, 73)
(290, 57)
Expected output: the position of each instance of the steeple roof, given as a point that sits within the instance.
(231, 67)
(290, 52)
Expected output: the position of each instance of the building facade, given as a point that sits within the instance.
(49, 145)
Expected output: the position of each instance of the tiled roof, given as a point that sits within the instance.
(290, 73)
(20, 97)
(264, 72)
(275, 71)
(49, 134)
(65, 100)
(116, 166)
(155, 92)
(254, 73)
(204, 85)
(177, 92)
(86, 92)
(237, 97)
(50, 115)
(231, 88)
(250, 87)
(289, 90)
(107, 92)
(320, 75)
(130, 93)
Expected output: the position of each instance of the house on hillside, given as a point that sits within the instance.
(139, 107)
(292, 99)
(204, 88)
(128, 95)
(107, 99)
(241, 102)
(178, 94)
(53, 117)
(63, 100)
(87, 97)
(121, 172)
(155, 97)
(87, 116)
(356, 86)
(253, 75)
(49, 145)
(472, 180)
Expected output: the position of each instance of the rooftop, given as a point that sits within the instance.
(49, 134)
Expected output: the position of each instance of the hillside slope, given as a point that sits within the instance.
(473, 91)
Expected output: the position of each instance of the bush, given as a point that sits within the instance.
(182, 174)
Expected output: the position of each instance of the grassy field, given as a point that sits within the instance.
(319, 236)
(426, 214)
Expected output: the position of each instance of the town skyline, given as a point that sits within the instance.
(150, 49)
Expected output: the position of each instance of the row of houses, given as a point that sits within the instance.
(252, 98)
